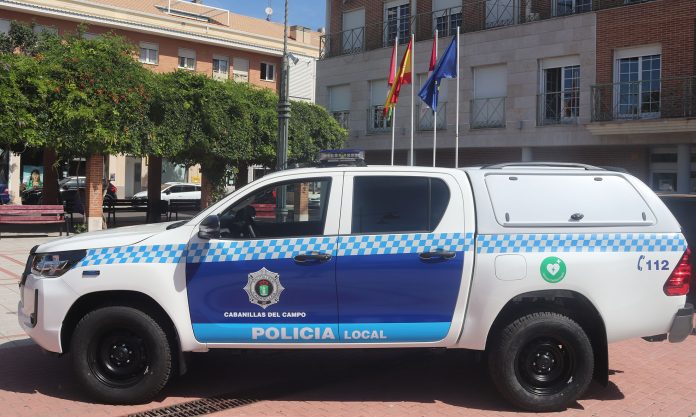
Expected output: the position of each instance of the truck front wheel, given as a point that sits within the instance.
(121, 355)
(541, 361)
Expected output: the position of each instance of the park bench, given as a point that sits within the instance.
(39, 214)
(183, 205)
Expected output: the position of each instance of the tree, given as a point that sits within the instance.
(100, 102)
(97, 104)
(311, 129)
(204, 122)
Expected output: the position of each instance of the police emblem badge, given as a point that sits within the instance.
(264, 288)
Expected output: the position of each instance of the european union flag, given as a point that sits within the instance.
(446, 68)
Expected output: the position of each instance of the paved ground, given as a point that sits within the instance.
(648, 379)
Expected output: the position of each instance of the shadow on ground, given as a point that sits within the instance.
(453, 377)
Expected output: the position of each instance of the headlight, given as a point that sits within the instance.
(52, 265)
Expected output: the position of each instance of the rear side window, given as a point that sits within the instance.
(390, 204)
(566, 200)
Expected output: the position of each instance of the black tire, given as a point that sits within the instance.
(121, 355)
(541, 362)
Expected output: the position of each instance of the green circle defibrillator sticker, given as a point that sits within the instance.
(553, 269)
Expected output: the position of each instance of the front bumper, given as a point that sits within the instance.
(44, 303)
(682, 325)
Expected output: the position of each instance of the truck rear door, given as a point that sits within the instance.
(405, 257)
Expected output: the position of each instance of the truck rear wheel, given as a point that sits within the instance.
(121, 355)
(541, 361)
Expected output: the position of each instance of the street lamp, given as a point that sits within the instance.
(283, 103)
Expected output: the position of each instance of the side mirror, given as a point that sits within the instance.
(168, 192)
(209, 228)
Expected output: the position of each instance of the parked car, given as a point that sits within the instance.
(67, 193)
(4, 194)
(538, 265)
(171, 191)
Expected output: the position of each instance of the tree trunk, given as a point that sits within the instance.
(154, 181)
(49, 195)
(95, 198)
(206, 191)
(242, 176)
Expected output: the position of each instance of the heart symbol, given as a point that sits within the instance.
(553, 268)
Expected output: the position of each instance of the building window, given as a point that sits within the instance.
(566, 7)
(48, 30)
(187, 59)
(501, 12)
(240, 70)
(639, 86)
(377, 121)
(488, 104)
(267, 71)
(339, 104)
(149, 53)
(353, 35)
(4, 26)
(447, 16)
(397, 18)
(221, 67)
(560, 96)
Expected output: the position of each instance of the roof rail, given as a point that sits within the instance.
(544, 164)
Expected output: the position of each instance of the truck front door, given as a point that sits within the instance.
(401, 258)
(270, 277)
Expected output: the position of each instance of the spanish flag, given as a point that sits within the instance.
(403, 76)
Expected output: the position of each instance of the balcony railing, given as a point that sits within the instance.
(425, 117)
(487, 113)
(343, 118)
(556, 108)
(664, 98)
(377, 122)
(472, 16)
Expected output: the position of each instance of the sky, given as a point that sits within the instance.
(308, 13)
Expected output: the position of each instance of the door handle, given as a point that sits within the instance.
(312, 257)
(438, 254)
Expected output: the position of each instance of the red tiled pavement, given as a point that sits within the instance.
(648, 379)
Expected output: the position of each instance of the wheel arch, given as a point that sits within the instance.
(567, 302)
(143, 302)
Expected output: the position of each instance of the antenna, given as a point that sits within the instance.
(269, 11)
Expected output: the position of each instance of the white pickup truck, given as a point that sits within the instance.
(538, 265)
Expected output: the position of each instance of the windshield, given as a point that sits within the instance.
(164, 187)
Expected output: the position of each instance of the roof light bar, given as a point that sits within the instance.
(341, 158)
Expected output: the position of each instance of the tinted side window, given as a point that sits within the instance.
(398, 204)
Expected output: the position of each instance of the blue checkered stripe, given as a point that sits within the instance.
(588, 242)
(403, 243)
(250, 250)
(152, 254)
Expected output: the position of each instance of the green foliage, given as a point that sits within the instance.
(20, 92)
(91, 96)
(100, 103)
(312, 129)
(21, 38)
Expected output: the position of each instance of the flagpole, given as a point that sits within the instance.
(413, 87)
(456, 127)
(435, 110)
(393, 111)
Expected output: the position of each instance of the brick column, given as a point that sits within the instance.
(93, 193)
